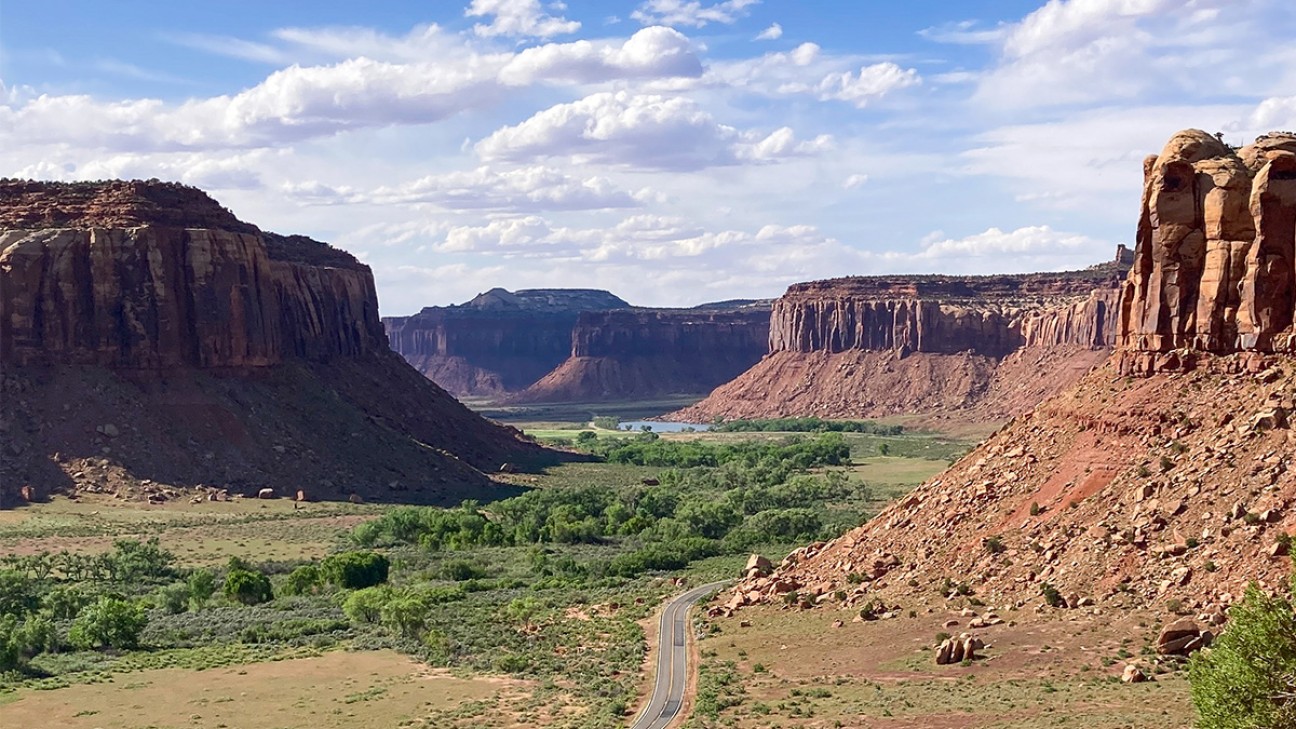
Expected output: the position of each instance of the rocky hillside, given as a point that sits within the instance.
(643, 353)
(149, 337)
(872, 346)
(499, 342)
(1172, 488)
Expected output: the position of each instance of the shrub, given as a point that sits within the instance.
(172, 599)
(18, 594)
(995, 545)
(355, 570)
(248, 587)
(1051, 595)
(1248, 678)
(460, 570)
(109, 623)
(302, 581)
(202, 585)
(365, 606)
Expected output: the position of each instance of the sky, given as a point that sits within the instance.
(672, 151)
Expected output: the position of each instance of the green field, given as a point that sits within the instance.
(540, 623)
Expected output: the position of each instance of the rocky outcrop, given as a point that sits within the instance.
(498, 342)
(640, 353)
(147, 333)
(873, 346)
(1215, 262)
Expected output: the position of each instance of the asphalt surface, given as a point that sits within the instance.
(672, 660)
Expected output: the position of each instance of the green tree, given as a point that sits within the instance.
(202, 585)
(248, 587)
(1247, 680)
(405, 613)
(303, 581)
(365, 606)
(18, 594)
(109, 622)
(355, 570)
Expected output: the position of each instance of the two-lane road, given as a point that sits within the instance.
(672, 660)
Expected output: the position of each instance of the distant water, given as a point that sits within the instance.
(663, 427)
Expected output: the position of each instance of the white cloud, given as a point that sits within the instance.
(854, 181)
(690, 12)
(525, 189)
(640, 131)
(1026, 241)
(774, 32)
(1272, 114)
(806, 70)
(871, 82)
(208, 171)
(519, 18)
(1087, 51)
(654, 52)
(963, 32)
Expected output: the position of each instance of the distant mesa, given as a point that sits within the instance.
(578, 345)
(148, 335)
(974, 347)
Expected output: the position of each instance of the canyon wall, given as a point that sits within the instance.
(1215, 261)
(641, 353)
(149, 301)
(496, 343)
(874, 346)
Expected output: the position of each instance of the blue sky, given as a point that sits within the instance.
(672, 151)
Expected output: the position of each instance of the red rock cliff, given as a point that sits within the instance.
(1215, 265)
(127, 282)
(150, 341)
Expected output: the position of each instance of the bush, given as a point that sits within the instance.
(202, 585)
(110, 623)
(355, 570)
(18, 594)
(1051, 595)
(248, 587)
(1248, 678)
(303, 581)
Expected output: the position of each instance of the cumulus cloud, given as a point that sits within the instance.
(1026, 241)
(208, 171)
(305, 102)
(518, 18)
(854, 181)
(641, 131)
(774, 32)
(526, 189)
(806, 70)
(1082, 51)
(690, 12)
(655, 52)
(1274, 113)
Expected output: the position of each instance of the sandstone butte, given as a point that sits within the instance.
(975, 347)
(151, 339)
(578, 345)
(1162, 478)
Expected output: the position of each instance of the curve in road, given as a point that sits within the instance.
(672, 660)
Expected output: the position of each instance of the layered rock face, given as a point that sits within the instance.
(992, 316)
(871, 346)
(498, 342)
(1215, 264)
(650, 352)
(149, 300)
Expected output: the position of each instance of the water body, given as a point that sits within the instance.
(663, 427)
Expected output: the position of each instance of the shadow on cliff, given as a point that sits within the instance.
(330, 430)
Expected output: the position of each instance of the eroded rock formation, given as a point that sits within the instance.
(638, 353)
(147, 334)
(1215, 265)
(871, 346)
(498, 342)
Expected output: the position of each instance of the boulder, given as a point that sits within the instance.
(1182, 637)
(758, 566)
(266, 493)
(1133, 674)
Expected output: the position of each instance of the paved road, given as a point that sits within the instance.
(672, 660)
